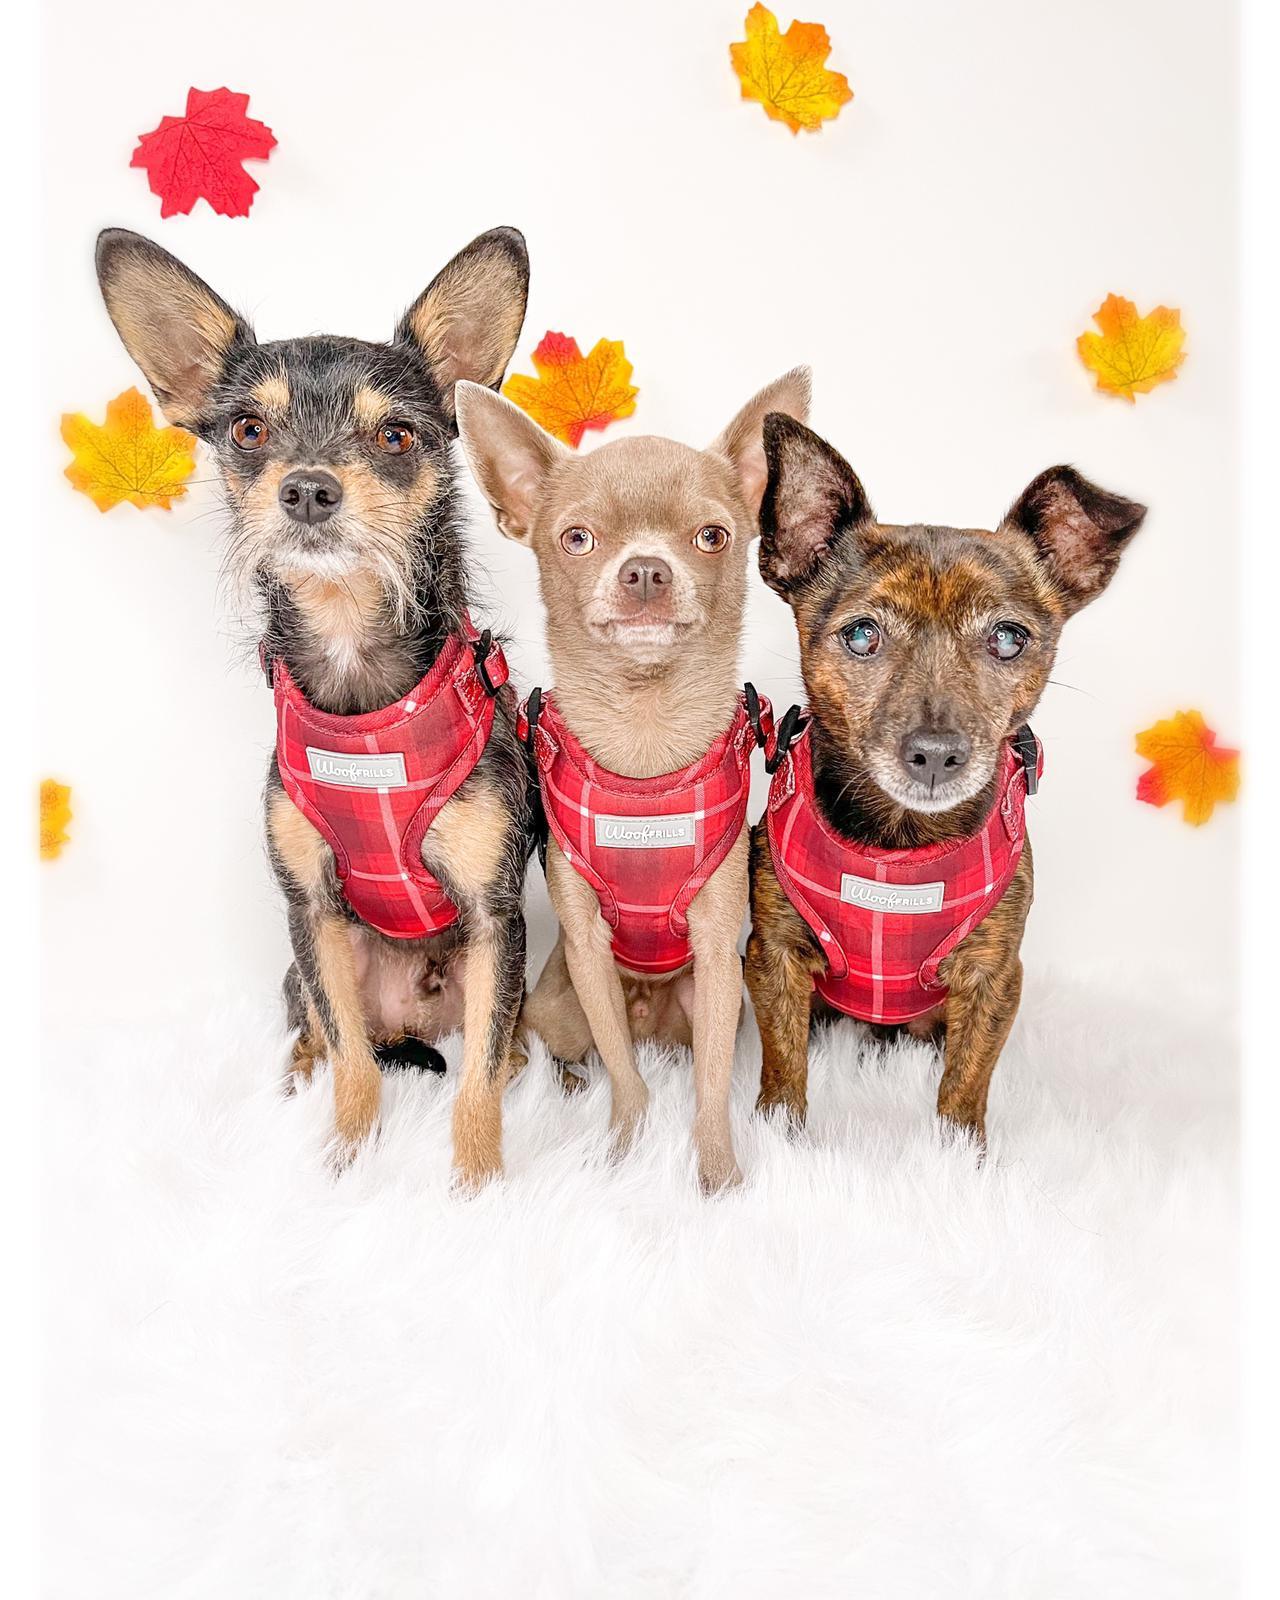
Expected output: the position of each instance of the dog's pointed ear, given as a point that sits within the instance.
(743, 440)
(173, 325)
(1079, 531)
(509, 455)
(467, 321)
(812, 497)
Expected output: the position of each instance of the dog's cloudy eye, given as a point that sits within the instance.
(395, 438)
(578, 541)
(712, 539)
(1007, 640)
(249, 433)
(862, 637)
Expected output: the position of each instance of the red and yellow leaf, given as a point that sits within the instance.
(1187, 764)
(55, 814)
(572, 392)
(787, 72)
(128, 457)
(1132, 354)
(198, 156)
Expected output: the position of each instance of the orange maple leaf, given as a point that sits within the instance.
(128, 458)
(1132, 354)
(787, 72)
(55, 814)
(1187, 764)
(573, 392)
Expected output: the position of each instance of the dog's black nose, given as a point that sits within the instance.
(645, 578)
(934, 758)
(310, 496)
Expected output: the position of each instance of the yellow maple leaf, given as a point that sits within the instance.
(55, 814)
(573, 392)
(787, 72)
(1132, 354)
(128, 457)
(1187, 764)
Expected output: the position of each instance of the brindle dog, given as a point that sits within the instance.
(923, 649)
(346, 521)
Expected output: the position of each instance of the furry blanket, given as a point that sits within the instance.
(877, 1369)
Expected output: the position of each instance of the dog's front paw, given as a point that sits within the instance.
(790, 1101)
(625, 1116)
(355, 1109)
(718, 1170)
(471, 1177)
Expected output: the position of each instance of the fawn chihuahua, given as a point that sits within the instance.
(889, 874)
(403, 882)
(643, 749)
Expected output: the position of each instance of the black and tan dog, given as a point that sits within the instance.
(334, 458)
(924, 651)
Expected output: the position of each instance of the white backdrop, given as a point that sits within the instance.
(933, 254)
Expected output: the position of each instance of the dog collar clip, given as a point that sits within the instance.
(1028, 752)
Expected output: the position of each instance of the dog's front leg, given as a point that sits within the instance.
(589, 957)
(327, 967)
(715, 918)
(782, 959)
(984, 979)
(494, 990)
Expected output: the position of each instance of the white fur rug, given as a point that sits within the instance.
(876, 1370)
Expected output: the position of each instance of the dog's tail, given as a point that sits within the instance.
(403, 1055)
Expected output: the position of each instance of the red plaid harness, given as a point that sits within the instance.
(887, 919)
(372, 784)
(645, 845)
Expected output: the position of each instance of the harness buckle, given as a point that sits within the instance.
(788, 731)
(1027, 751)
(482, 648)
(755, 715)
(267, 662)
(531, 711)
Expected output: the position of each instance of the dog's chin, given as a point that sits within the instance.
(930, 802)
(643, 638)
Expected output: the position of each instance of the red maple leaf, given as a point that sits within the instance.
(198, 156)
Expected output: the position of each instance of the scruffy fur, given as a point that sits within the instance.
(358, 606)
(936, 597)
(646, 682)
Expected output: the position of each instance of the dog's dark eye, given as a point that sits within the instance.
(1007, 640)
(712, 539)
(862, 637)
(578, 541)
(249, 433)
(395, 438)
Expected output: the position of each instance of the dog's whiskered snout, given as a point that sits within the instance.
(935, 758)
(645, 578)
(310, 495)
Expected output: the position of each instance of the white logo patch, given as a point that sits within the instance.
(646, 833)
(908, 899)
(357, 772)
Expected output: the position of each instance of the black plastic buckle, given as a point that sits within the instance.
(532, 711)
(1024, 744)
(482, 647)
(787, 732)
(268, 664)
(753, 712)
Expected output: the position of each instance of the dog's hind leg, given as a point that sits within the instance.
(554, 1012)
